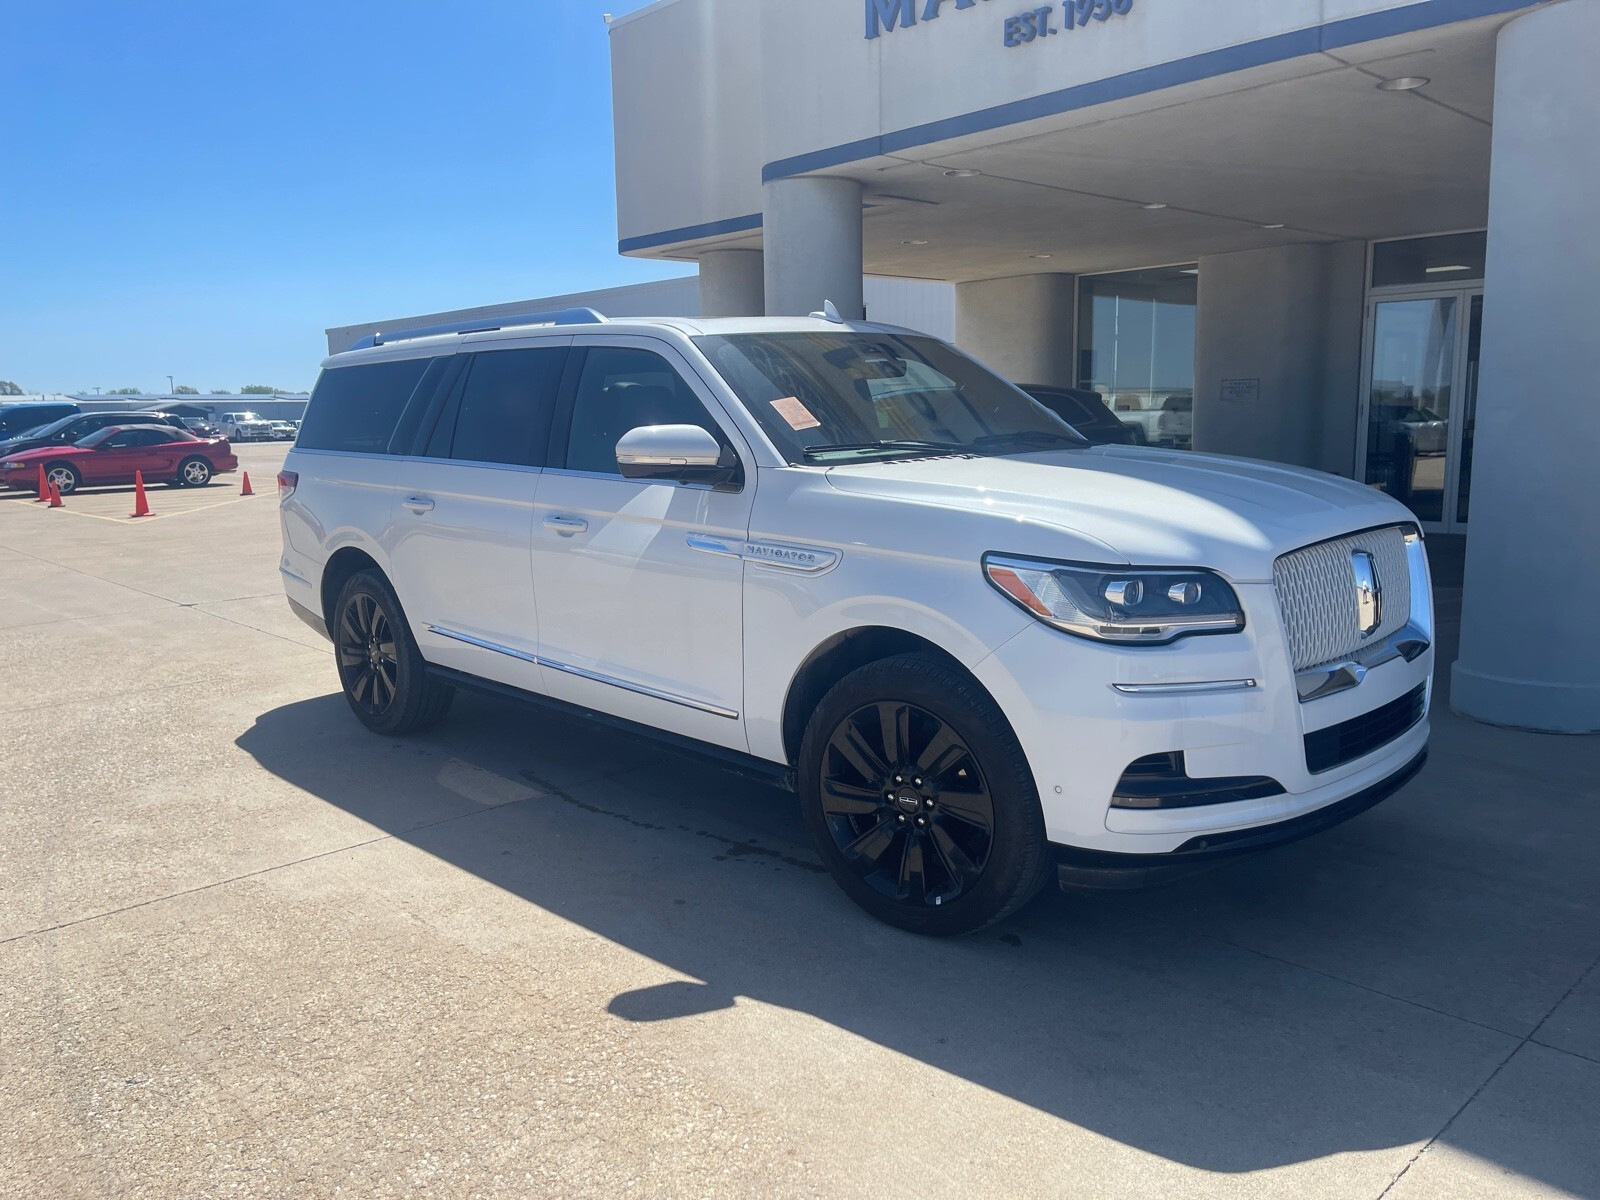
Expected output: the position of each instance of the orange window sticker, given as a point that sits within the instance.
(797, 414)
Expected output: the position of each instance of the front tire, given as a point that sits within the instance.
(920, 799)
(65, 476)
(383, 674)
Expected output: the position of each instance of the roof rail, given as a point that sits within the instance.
(563, 316)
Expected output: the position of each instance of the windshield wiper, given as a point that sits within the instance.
(1036, 437)
(892, 448)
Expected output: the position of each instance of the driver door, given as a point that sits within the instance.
(117, 457)
(634, 620)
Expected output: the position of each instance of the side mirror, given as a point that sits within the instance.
(684, 453)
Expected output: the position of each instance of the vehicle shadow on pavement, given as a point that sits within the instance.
(1108, 1011)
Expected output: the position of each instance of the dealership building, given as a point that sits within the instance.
(1354, 235)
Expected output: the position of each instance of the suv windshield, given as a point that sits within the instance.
(848, 396)
(245, 416)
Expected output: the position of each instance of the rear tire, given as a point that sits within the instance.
(384, 677)
(920, 799)
(194, 472)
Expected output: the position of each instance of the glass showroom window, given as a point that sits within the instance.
(1136, 348)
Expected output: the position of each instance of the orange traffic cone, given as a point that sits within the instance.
(44, 488)
(55, 496)
(141, 506)
(246, 490)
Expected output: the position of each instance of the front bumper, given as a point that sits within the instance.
(1092, 870)
(1084, 712)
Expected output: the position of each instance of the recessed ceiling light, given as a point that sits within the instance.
(1038, 256)
(1444, 270)
(1278, 225)
(1152, 207)
(1406, 83)
(963, 173)
(915, 242)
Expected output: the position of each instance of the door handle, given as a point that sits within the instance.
(418, 504)
(566, 526)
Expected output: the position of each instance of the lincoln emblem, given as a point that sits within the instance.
(1369, 592)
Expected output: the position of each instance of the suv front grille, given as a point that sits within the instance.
(1349, 740)
(1317, 595)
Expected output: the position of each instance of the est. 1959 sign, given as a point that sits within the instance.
(885, 16)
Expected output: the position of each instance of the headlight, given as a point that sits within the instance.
(1140, 605)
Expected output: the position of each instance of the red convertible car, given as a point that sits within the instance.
(163, 454)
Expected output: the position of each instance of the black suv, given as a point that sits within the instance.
(70, 429)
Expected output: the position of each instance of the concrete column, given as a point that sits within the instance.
(1021, 326)
(811, 228)
(732, 284)
(1530, 626)
(1282, 328)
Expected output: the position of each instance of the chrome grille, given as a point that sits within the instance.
(1317, 595)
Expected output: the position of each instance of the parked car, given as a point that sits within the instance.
(246, 427)
(1086, 412)
(31, 414)
(1175, 425)
(284, 431)
(201, 428)
(112, 455)
(71, 429)
(985, 652)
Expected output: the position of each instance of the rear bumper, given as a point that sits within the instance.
(1078, 869)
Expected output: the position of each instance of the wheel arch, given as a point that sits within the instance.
(344, 563)
(837, 657)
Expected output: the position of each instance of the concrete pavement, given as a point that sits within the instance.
(247, 948)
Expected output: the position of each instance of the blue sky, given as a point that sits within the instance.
(200, 188)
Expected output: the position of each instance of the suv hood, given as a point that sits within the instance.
(1153, 507)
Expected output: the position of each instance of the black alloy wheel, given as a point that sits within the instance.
(367, 662)
(919, 797)
(907, 804)
(385, 678)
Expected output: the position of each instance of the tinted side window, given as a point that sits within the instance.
(504, 410)
(621, 389)
(356, 408)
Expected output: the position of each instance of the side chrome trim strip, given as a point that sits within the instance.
(297, 578)
(1185, 689)
(654, 693)
(1330, 679)
(594, 676)
(811, 560)
(523, 655)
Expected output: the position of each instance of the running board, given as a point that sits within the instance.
(738, 763)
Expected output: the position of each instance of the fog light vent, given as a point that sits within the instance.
(1162, 781)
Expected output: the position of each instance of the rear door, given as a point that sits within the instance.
(463, 517)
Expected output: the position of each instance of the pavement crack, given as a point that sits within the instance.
(399, 834)
(1490, 1078)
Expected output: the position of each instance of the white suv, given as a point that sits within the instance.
(983, 651)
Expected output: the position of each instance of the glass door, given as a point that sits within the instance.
(1420, 400)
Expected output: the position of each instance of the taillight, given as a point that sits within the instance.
(287, 481)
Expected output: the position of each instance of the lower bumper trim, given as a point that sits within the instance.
(1080, 869)
(310, 618)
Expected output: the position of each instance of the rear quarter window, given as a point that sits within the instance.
(355, 409)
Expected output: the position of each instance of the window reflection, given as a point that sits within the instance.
(1408, 420)
(1136, 348)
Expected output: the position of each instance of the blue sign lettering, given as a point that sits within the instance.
(882, 14)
